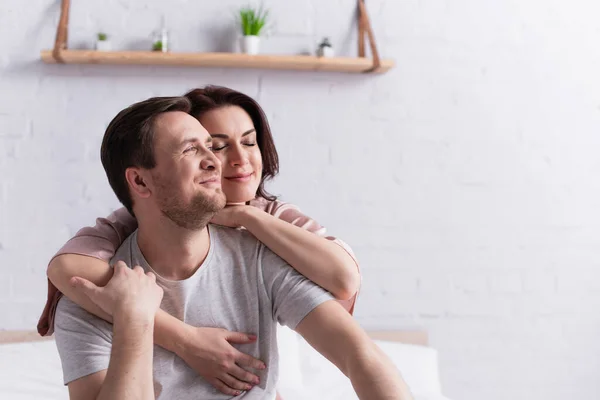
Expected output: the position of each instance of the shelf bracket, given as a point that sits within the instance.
(364, 28)
(62, 32)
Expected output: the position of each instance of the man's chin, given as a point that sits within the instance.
(215, 202)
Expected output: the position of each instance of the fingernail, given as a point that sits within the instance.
(238, 393)
(251, 337)
(248, 387)
(263, 366)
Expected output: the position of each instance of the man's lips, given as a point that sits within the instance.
(211, 180)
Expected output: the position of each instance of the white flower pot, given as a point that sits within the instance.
(325, 51)
(250, 44)
(103, 45)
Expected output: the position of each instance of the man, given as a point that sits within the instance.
(159, 163)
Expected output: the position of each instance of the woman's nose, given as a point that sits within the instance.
(238, 157)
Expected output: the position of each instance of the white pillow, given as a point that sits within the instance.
(31, 371)
(321, 379)
(417, 364)
(290, 373)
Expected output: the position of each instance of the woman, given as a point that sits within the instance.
(243, 143)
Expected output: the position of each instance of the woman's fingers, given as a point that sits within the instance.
(244, 375)
(223, 388)
(244, 360)
(235, 383)
(240, 338)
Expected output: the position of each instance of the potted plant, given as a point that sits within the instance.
(325, 48)
(160, 40)
(102, 42)
(252, 22)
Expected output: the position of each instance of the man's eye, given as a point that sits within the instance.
(189, 149)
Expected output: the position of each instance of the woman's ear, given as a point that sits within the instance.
(138, 181)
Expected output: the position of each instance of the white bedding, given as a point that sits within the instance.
(320, 379)
(32, 371)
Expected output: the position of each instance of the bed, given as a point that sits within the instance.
(30, 367)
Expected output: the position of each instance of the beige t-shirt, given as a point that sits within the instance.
(241, 286)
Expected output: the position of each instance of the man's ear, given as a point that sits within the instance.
(138, 181)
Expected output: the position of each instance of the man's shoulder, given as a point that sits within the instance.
(125, 250)
(233, 238)
(242, 244)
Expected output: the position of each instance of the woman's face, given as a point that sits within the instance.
(234, 144)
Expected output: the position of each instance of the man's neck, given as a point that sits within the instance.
(175, 253)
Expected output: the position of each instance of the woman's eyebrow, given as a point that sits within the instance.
(224, 136)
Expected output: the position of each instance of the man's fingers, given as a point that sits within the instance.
(244, 375)
(120, 265)
(139, 270)
(240, 338)
(244, 360)
(151, 276)
(223, 388)
(235, 383)
(87, 287)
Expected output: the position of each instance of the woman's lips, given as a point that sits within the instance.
(240, 177)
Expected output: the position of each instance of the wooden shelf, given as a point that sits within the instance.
(227, 60)
(361, 64)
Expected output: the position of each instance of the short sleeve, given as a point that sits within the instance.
(292, 295)
(292, 214)
(84, 341)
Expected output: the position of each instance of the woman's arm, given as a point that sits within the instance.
(321, 260)
(66, 266)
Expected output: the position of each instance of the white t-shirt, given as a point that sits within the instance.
(242, 286)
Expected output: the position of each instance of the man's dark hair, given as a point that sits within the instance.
(129, 141)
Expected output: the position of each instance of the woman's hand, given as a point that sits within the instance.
(210, 353)
(232, 215)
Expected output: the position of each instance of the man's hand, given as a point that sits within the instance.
(130, 294)
(210, 353)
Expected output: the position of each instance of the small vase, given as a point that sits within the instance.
(250, 44)
(103, 45)
(325, 51)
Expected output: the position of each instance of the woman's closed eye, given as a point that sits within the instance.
(217, 147)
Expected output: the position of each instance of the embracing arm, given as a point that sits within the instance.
(320, 260)
(335, 334)
(66, 266)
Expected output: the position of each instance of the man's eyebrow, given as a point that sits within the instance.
(187, 140)
(224, 136)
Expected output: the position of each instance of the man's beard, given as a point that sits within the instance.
(194, 215)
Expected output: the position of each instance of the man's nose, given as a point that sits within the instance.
(210, 162)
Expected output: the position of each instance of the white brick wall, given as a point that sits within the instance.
(465, 179)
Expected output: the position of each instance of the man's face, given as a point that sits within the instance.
(187, 177)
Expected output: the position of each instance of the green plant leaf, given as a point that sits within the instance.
(253, 20)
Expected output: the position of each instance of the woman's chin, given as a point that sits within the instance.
(239, 198)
